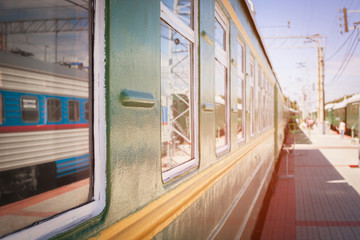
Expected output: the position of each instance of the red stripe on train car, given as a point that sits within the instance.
(7, 129)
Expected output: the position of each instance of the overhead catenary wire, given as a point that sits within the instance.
(340, 47)
(346, 60)
(344, 63)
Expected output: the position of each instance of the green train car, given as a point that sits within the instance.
(347, 111)
(329, 113)
(177, 131)
(352, 115)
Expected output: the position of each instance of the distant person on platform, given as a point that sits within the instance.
(342, 127)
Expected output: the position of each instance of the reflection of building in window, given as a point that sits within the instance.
(29, 109)
(222, 114)
(177, 87)
(54, 110)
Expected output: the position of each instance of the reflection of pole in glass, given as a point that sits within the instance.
(46, 47)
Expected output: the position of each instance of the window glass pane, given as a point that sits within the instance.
(258, 100)
(220, 37)
(87, 111)
(252, 68)
(176, 99)
(181, 8)
(259, 75)
(220, 104)
(45, 168)
(251, 109)
(240, 59)
(29, 110)
(2, 110)
(74, 111)
(240, 104)
(264, 116)
(54, 110)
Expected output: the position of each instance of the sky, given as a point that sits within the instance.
(296, 68)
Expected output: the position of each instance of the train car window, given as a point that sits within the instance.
(222, 106)
(240, 90)
(183, 10)
(252, 95)
(47, 173)
(263, 99)
(2, 110)
(178, 84)
(29, 109)
(86, 111)
(74, 110)
(54, 110)
(220, 36)
(259, 98)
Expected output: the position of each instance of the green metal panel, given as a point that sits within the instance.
(134, 131)
(207, 82)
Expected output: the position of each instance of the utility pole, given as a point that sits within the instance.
(346, 22)
(321, 92)
(299, 42)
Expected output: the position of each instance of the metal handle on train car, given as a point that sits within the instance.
(132, 98)
(207, 38)
(208, 107)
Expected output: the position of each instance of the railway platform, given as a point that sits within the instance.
(316, 194)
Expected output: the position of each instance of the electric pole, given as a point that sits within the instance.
(299, 42)
(346, 22)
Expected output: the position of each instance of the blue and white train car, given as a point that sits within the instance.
(44, 125)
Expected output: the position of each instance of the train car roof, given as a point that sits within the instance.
(329, 106)
(256, 30)
(340, 104)
(354, 98)
(34, 65)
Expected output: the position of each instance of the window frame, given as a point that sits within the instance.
(222, 56)
(240, 79)
(74, 217)
(191, 35)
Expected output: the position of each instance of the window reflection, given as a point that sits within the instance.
(176, 101)
(252, 95)
(182, 9)
(258, 101)
(44, 134)
(240, 90)
(240, 104)
(220, 37)
(220, 104)
(54, 110)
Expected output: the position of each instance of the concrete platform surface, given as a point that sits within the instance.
(318, 195)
